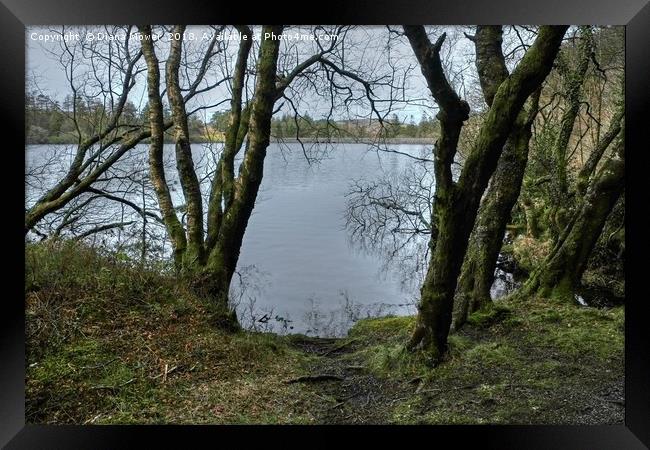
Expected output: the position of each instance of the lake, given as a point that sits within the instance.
(299, 271)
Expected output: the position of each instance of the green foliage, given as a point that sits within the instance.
(529, 253)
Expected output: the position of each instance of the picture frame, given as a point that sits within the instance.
(15, 15)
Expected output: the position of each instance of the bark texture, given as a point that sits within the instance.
(210, 263)
(477, 273)
(456, 203)
(573, 82)
(156, 166)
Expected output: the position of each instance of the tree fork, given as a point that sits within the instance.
(456, 204)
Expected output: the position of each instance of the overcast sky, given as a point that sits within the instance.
(368, 52)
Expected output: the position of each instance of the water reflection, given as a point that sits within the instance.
(296, 259)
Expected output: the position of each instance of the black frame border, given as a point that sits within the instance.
(15, 15)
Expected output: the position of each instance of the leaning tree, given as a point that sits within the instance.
(68, 195)
(456, 202)
(600, 184)
(477, 273)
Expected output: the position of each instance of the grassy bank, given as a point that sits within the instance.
(108, 342)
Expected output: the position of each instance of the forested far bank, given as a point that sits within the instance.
(49, 121)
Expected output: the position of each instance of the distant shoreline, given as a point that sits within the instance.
(398, 140)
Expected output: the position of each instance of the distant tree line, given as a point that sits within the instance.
(49, 121)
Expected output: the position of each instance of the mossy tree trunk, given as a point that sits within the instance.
(156, 165)
(531, 215)
(456, 203)
(223, 256)
(560, 274)
(477, 272)
(210, 263)
(614, 130)
(573, 81)
(193, 256)
(207, 253)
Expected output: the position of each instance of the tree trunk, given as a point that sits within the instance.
(222, 260)
(209, 264)
(562, 271)
(193, 256)
(456, 204)
(573, 86)
(477, 273)
(531, 215)
(156, 166)
(573, 81)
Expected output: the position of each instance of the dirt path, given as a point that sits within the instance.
(350, 393)
(347, 393)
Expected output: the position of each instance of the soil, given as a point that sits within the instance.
(359, 397)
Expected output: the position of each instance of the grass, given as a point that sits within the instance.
(529, 361)
(100, 334)
(111, 342)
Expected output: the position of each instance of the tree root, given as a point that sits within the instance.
(315, 378)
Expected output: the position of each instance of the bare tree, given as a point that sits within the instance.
(207, 246)
(101, 75)
(111, 76)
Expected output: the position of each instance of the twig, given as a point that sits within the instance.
(97, 366)
(315, 378)
(93, 419)
(430, 391)
(337, 405)
(165, 373)
(399, 399)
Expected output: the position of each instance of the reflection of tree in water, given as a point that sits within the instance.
(337, 322)
(391, 217)
(246, 289)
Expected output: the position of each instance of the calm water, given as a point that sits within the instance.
(299, 270)
(297, 238)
